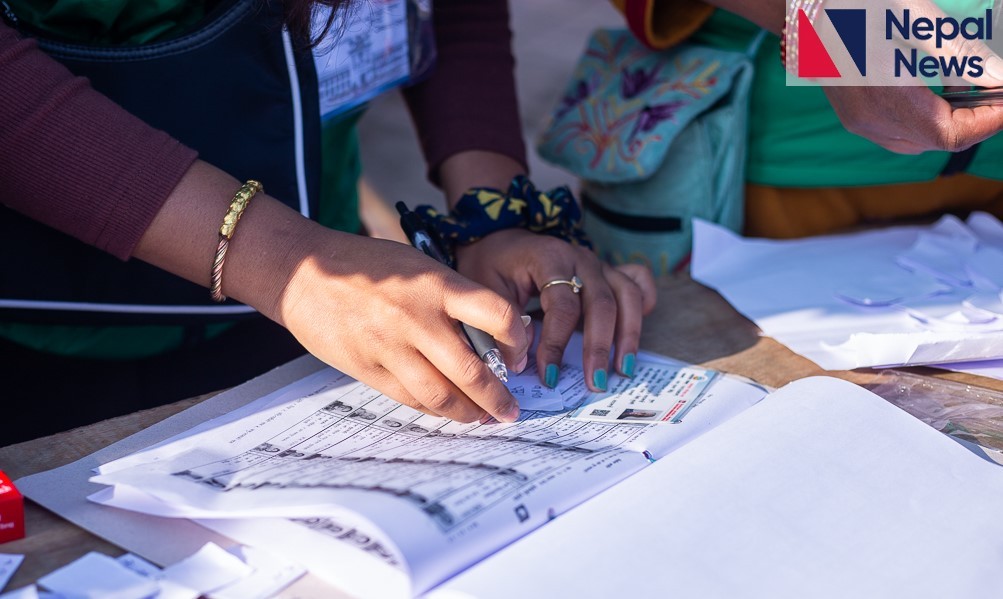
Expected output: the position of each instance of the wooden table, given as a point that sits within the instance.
(691, 323)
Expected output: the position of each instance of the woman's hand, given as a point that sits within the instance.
(387, 315)
(379, 311)
(912, 120)
(517, 264)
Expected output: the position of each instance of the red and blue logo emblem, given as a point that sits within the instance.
(814, 60)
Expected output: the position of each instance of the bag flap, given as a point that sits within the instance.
(626, 104)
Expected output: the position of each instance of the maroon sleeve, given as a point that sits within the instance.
(469, 101)
(73, 159)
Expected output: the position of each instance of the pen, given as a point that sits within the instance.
(429, 244)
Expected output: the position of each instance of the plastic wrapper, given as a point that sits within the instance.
(963, 411)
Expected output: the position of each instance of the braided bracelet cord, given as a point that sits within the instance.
(484, 210)
(241, 200)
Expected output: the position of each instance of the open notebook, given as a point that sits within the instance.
(821, 489)
(384, 501)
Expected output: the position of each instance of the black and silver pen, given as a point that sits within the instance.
(428, 243)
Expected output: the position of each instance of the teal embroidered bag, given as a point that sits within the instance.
(657, 138)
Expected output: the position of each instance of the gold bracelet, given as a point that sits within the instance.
(241, 199)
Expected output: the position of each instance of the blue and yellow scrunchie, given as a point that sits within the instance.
(483, 210)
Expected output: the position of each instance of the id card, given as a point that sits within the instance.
(657, 393)
(368, 50)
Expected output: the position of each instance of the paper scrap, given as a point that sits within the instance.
(987, 227)
(97, 576)
(140, 566)
(939, 256)
(271, 574)
(208, 569)
(949, 312)
(886, 289)
(9, 563)
(28, 592)
(822, 296)
(985, 268)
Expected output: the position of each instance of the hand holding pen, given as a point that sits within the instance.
(425, 241)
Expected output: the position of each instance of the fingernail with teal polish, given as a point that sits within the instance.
(551, 375)
(628, 366)
(599, 379)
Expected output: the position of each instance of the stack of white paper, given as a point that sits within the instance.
(899, 296)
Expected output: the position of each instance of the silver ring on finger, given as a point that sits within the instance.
(574, 282)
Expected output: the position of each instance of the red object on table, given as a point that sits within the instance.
(11, 511)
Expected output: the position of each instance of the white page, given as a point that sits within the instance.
(329, 549)
(345, 551)
(989, 368)
(271, 574)
(140, 566)
(823, 490)
(97, 576)
(792, 290)
(28, 592)
(208, 569)
(9, 563)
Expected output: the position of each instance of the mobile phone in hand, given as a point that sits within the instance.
(974, 97)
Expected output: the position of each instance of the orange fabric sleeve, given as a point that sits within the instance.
(661, 24)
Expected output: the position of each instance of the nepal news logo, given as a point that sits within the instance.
(909, 38)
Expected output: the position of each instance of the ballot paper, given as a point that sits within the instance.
(890, 297)
(384, 501)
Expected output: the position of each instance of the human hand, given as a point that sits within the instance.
(897, 110)
(517, 263)
(912, 120)
(387, 315)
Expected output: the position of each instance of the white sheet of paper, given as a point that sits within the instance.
(140, 566)
(272, 573)
(990, 368)
(208, 569)
(822, 490)
(792, 290)
(28, 592)
(941, 257)
(9, 563)
(325, 547)
(97, 576)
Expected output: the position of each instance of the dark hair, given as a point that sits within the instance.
(299, 16)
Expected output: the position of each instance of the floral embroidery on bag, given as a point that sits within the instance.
(610, 121)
